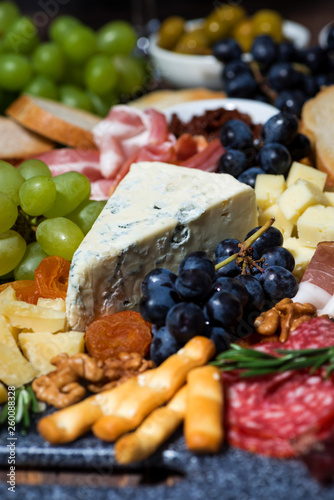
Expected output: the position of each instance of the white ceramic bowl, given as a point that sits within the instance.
(183, 70)
(259, 112)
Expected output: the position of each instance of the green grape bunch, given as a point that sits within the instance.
(41, 215)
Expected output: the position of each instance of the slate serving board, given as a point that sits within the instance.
(231, 475)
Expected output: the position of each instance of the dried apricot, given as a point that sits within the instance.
(51, 277)
(25, 290)
(124, 331)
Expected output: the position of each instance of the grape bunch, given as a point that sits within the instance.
(218, 302)
(279, 144)
(81, 68)
(41, 215)
(278, 73)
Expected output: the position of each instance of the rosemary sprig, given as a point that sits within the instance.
(25, 405)
(259, 363)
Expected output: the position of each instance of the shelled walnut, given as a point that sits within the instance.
(68, 384)
(284, 317)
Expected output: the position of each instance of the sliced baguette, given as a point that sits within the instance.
(60, 123)
(16, 142)
(318, 125)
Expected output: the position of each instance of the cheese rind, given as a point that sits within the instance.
(158, 214)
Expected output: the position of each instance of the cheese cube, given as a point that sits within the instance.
(330, 197)
(7, 294)
(14, 368)
(310, 174)
(298, 197)
(24, 315)
(315, 225)
(158, 214)
(268, 188)
(301, 253)
(3, 394)
(8, 334)
(280, 223)
(40, 347)
(56, 304)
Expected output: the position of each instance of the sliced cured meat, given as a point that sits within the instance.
(207, 159)
(85, 161)
(278, 414)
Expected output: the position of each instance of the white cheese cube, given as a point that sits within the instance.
(36, 318)
(281, 222)
(298, 197)
(301, 253)
(330, 197)
(315, 225)
(158, 214)
(268, 188)
(310, 174)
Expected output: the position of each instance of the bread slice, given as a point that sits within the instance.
(318, 125)
(60, 123)
(162, 99)
(17, 142)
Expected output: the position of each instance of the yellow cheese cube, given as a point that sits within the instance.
(40, 347)
(268, 188)
(7, 294)
(14, 368)
(56, 304)
(330, 197)
(280, 223)
(36, 318)
(3, 394)
(315, 225)
(298, 197)
(301, 253)
(310, 174)
(8, 334)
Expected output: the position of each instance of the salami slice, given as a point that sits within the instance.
(281, 414)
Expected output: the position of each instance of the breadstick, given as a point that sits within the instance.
(139, 394)
(155, 387)
(155, 429)
(203, 426)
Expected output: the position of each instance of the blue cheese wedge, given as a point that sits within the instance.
(158, 214)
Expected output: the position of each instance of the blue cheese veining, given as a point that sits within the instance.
(158, 214)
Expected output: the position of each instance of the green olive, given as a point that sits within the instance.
(170, 32)
(216, 28)
(230, 13)
(194, 42)
(268, 22)
(243, 33)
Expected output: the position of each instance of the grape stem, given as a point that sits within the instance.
(244, 247)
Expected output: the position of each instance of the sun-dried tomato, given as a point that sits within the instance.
(25, 290)
(125, 331)
(51, 277)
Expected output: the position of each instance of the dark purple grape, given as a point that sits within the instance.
(291, 101)
(278, 283)
(310, 85)
(286, 52)
(184, 321)
(193, 284)
(230, 269)
(227, 247)
(243, 86)
(198, 260)
(264, 50)
(219, 336)
(330, 38)
(274, 158)
(227, 50)
(236, 134)
(282, 76)
(270, 238)
(234, 69)
(315, 58)
(281, 128)
(163, 345)
(255, 291)
(155, 305)
(223, 309)
(300, 147)
(249, 176)
(278, 256)
(233, 162)
(233, 286)
(156, 278)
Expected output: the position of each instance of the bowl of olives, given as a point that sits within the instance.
(183, 51)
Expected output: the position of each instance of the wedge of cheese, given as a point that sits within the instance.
(158, 214)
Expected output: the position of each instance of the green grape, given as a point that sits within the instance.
(32, 257)
(37, 195)
(62, 25)
(75, 97)
(86, 214)
(59, 236)
(48, 60)
(79, 44)
(10, 180)
(31, 168)
(74, 74)
(117, 37)
(72, 189)
(130, 73)
(42, 86)
(12, 248)
(15, 71)
(100, 75)
(21, 36)
(8, 13)
(8, 212)
(100, 105)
